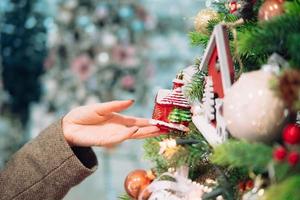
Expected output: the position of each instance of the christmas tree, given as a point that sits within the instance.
(23, 50)
(244, 95)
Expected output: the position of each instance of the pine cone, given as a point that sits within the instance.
(289, 87)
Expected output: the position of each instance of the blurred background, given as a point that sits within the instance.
(59, 54)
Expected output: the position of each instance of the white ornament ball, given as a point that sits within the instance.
(251, 109)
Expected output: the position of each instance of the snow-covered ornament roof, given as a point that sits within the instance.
(176, 96)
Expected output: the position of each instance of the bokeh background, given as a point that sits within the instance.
(59, 54)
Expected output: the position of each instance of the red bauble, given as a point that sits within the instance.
(279, 153)
(242, 186)
(249, 184)
(135, 182)
(291, 134)
(293, 158)
(270, 9)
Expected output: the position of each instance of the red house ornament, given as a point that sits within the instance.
(217, 61)
(172, 109)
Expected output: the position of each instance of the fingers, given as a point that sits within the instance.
(119, 137)
(145, 132)
(129, 121)
(148, 135)
(112, 106)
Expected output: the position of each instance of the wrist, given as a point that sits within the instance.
(66, 132)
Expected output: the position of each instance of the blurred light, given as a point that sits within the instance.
(108, 40)
(126, 12)
(30, 22)
(8, 28)
(103, 57)
(83, 21)
(137, 25)
(48, 22)
(90, 29)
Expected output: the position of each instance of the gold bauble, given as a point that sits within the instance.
(135, 183)
(270, 9)
(202, 18)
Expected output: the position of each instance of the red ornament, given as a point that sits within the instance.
(249, 184)
(233, 6)
(291, 134)
(279, 153)
(165, 102)
(293, 158)
(270, 9)
(135, 182)
(242, 186)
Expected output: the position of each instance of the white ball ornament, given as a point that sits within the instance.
(251, 109)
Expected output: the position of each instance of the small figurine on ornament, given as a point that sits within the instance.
(172, 109)
(241, 8)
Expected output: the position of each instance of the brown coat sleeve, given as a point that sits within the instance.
(46, 168)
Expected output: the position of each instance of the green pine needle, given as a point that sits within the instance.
(195, 89)
(198, 39)
(253, 156)
(286, 190)
(257, 43)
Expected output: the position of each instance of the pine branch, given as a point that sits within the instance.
(288, 189)
(292, 7)
(198, 39)
(253, 156)
(195, 89)
(192, 155)
(258, 43)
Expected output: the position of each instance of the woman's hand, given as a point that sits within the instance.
(101, 125)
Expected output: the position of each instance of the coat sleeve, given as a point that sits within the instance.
(46, 168)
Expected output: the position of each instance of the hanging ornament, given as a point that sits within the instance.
(241, 8)
(217, 61)
(291, 134)
(256, 191)
(270, 9)
(202, 18)
(293, 158)
(251, 109)
(279, 154)
(177, 187)
(172, 109)
(136, 181)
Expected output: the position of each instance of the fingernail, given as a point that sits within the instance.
(132, 100)
(153, 122)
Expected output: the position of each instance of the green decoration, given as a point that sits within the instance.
(180, 115)
(253, 156)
